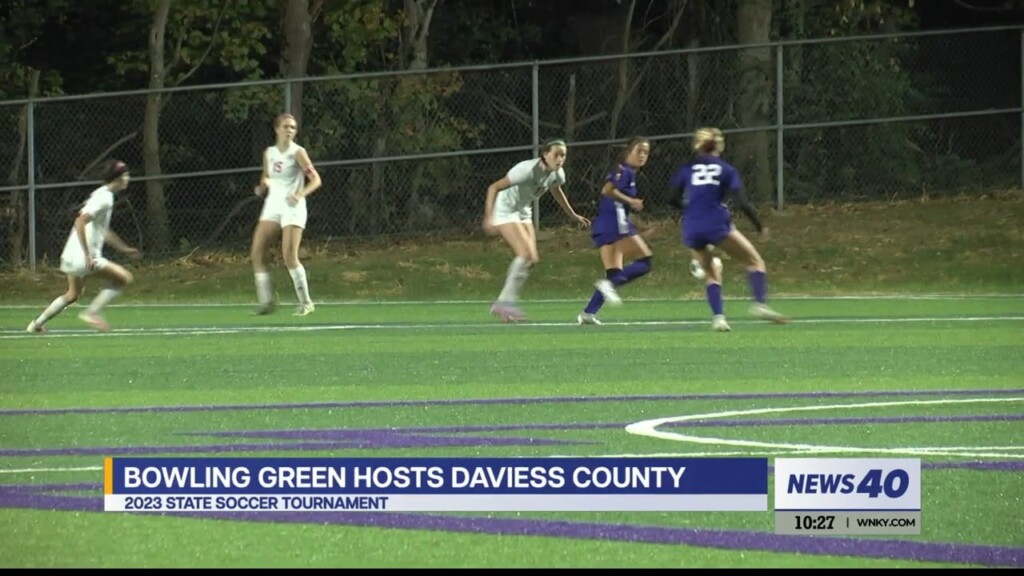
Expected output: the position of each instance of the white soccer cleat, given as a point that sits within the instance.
(607, 289)
(265, 309)
(305, 309)
(585, 318)
(718, 324)
(35, 329)
(762, 311)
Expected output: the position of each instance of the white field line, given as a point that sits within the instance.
(649, 428)
(219, 330)
(796, 297)
(50, 470)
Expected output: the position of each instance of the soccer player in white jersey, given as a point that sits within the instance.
(83, 253)
(509, 212)
(288, 178)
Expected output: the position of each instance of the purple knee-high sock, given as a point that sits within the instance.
(714, 294)
(758, 286)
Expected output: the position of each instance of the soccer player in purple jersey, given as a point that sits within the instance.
(614, 233)
(706, 183)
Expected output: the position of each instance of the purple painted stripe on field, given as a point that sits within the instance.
(491, 401)
(1000, 465)
(332, 439)
(343, 433)
(44, 488)
(972, 554)
(368, 441)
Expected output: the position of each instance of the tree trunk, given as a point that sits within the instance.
(755, 89)
(570, 110)
(157, 233)
(622, 93)
(380, 218)
(627, 86)
(794, 27)
(298, 44)
(415, 36)
(693, 91)
(417, 29)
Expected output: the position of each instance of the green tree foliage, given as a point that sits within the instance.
(366, 117)
(102, 46)
(860, 80)
(21, 25)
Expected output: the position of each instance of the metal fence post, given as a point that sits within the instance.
(535, 114)
(30, 126)
(288, 96)
(780, 180)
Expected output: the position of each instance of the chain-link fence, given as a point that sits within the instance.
(872, 118)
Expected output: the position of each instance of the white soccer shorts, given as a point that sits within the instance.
(279, 211)
(77, 267)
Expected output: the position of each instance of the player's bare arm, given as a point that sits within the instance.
(559, 195)
(492, 192)
(313, 181)
(119, 244)
(261, 187)
(83, 219)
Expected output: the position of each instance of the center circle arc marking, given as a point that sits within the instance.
(649, 428)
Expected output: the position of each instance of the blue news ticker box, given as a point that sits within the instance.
(436, 484)
(438, 475)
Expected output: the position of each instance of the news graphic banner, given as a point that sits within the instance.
(847, 495)
(436, 484)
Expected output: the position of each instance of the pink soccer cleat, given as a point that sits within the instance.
(507, 312)
(94, 320)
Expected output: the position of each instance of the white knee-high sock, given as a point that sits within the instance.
(518, 271)
(55, 307)
(102, 299)
(263, 289)
(301, 284)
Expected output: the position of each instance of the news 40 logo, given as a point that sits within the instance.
(848, 495)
